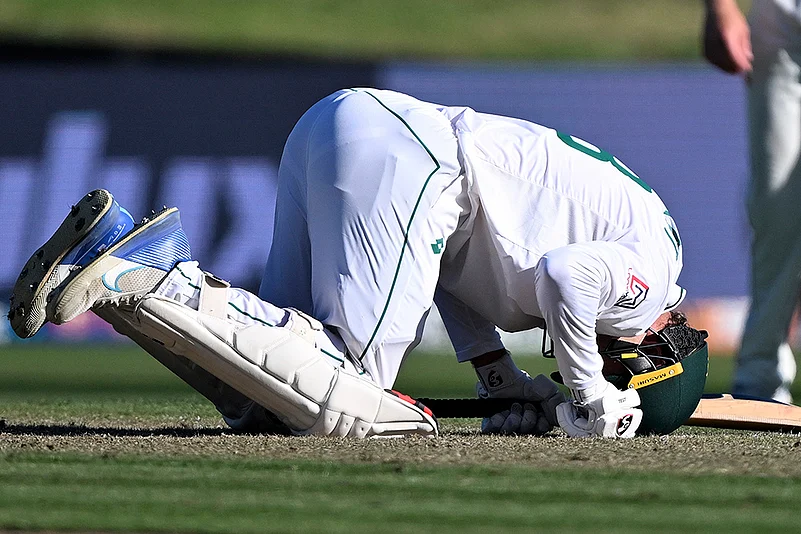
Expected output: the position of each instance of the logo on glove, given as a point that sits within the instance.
(494, 379)
(623, 424)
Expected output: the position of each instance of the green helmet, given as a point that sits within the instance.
(668, 369)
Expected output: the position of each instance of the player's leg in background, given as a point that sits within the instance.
(765, 364)
(379, 190)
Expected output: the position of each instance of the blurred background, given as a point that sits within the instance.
(189, 102)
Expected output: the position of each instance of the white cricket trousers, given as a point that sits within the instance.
(765, 365)
(370, 188)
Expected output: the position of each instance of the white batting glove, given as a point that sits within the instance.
(602, 411)
(503, 380)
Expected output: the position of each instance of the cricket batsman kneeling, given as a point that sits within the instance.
(385, 206)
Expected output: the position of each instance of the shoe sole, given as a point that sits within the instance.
(73, 299)
(37, 279)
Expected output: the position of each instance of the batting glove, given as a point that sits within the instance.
(503, 380)
(603, 411)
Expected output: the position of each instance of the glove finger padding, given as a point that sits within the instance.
(512, 423)
(619, 424)
(535, 417)
(533, 422)
(519, 419)
(613, 414)
(543, 390)
(493, 425)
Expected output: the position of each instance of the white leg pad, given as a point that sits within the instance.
(282, 372)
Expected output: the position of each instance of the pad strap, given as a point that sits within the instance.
(304, 325)
(213, 296)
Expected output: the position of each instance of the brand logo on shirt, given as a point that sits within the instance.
(438, 245)
(636, 292)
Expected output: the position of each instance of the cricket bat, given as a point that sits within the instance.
(746, 413)
(714, 410)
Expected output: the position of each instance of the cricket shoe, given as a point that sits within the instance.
(128, 270)
(94, 224)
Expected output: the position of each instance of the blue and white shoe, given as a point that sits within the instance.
(95, 223)
(129, 269)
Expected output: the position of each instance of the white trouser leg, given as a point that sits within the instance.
(369, 191)
(183, 285)
(765, 365)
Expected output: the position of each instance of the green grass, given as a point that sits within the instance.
(101, 438)
(373, 29)
(63, 492)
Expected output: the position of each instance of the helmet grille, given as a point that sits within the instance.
(683, 339)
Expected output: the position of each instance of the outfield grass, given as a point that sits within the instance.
(213, 495)
(373, 29)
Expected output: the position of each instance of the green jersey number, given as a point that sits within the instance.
(601, 155)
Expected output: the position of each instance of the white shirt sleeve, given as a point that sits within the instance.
(574, 284)
(470, 333)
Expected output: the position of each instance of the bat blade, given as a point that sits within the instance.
(746, 413)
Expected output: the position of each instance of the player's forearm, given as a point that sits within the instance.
(727, 37)
(472, 336)
(575, 349)
(722, 7)
(489, 357)
(570, 286)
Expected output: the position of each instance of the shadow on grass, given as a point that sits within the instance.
(84, 430)
(462, 430)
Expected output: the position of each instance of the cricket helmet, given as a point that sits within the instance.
(668, 369)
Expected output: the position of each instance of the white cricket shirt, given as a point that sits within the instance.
(558, 231)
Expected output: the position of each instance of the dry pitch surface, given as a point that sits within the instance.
(688, 450)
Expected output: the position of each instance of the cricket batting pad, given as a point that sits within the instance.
(282, 372)
(238, 411)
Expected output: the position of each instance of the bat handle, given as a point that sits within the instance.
(468, 408)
